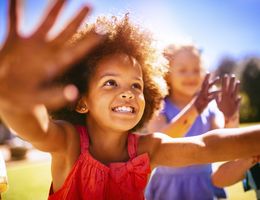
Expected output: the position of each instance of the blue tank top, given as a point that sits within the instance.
(191, 182)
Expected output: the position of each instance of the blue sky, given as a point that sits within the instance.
(224, 27)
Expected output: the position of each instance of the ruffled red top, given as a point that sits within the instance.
(90, 179)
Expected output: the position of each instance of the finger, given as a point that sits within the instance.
(12, 18)
(213, 95)
(57, 97)
(231, 87)
(49, 20)
(72, 27)
(70, 55)
(215, 81)
(206, 79)
(205, 84)
(225, 83)
(218, 98)
(237, 88)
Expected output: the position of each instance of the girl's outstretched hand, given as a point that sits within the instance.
(228, 99)
(29, 64)
(205, 95)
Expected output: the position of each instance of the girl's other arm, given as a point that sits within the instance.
(35, 127)
(214, 146)
(232, 172)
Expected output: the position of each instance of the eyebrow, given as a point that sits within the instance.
(117, 75)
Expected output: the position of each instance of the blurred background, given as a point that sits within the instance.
(227, 32)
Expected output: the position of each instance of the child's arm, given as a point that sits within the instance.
(213, 146)
(182, 122)
(231, 172)
(27, 68)
(178, 126)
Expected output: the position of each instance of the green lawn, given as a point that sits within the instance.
(236, 192)
(28, 181)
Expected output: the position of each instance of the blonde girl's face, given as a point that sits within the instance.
(186, 73)
(115, 100)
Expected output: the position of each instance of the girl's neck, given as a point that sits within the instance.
(179, 99)
(107, 146)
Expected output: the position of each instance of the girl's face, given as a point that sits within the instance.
(186, 73)
(115, 100)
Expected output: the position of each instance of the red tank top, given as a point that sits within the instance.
(92, 180)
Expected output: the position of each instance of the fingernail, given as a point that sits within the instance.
(70, 92)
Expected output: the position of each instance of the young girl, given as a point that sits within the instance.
(101, 158)
(184, 81)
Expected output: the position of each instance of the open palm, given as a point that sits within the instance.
(28, 65)
(228, 99)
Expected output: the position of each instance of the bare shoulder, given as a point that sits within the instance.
(69, 134)
(148, 143)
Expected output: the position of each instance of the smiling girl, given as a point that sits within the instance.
(95, 153)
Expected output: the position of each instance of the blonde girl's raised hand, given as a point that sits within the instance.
(29, 64)
(228, 100)
(205, 95)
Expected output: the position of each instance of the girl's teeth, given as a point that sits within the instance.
(124, 109)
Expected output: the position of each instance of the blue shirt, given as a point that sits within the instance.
(191, 182)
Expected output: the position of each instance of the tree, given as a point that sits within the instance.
(250, 85)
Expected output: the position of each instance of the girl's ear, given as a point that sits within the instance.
(82, 106)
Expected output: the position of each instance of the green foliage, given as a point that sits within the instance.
(246, 111)
(250, 85)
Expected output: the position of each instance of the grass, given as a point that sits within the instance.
(28, 181)
(236, 192)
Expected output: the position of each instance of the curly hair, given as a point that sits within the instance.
(122, 37)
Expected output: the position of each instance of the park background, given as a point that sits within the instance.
(226, 31)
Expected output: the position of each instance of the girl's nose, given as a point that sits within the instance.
(127, 95)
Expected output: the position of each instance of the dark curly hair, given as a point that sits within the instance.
(122, 37)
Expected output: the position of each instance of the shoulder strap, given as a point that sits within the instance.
(132, 145)
(84, 141)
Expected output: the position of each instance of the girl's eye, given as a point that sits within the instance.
(110, 83)
(137, 86)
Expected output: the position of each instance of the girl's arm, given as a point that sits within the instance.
(35, 127)
(213, 146)
(27, 68)
(178, 126)
(231, 172)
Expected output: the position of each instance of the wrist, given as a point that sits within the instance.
(234, 119)
(198, 107)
